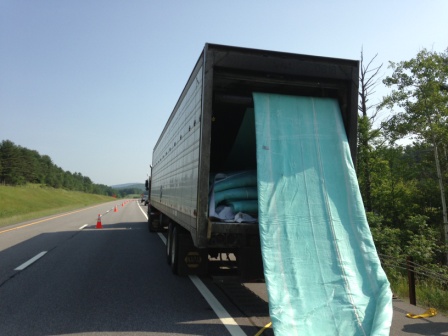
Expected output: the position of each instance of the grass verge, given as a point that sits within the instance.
(18, 204)
(429, 293)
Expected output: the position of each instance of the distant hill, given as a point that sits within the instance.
(140, 186)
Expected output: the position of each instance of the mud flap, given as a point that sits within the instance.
(250, 264)
(153, 224)
(189, 259)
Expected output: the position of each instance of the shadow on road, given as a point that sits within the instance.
(113, 279)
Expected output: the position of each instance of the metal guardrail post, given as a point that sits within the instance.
(411, 281)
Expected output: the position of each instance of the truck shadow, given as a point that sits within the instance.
(110, 280)
(433, 328)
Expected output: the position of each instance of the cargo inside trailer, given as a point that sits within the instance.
(311, 217)
(233, 161)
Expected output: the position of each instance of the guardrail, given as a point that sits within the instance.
(414, 273)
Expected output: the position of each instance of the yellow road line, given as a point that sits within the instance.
(263, 329)
(47, 219)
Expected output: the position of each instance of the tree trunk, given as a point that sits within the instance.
(442, 196)
(368, 183)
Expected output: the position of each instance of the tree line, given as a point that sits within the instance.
(402, 162)
(20, 165)
(403, 186)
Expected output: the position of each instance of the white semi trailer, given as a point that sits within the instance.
(211, 133)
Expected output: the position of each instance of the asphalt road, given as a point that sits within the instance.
(62, 276)
(109, 281)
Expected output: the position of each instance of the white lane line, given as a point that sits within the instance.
(228, 321)
(162, 237)
(84, 226)
(144, 213)
(225, 318)
(29, 262)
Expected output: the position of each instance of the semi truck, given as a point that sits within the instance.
(209, 138)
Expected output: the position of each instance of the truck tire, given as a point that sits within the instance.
(149, 223)
(185, 257)
(174, 250)
(169, 242)
(149, 218)
(154, 223)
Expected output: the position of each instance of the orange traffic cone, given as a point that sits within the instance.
(116, 209)
(98, 223)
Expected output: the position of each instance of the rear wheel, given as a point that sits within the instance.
(169, 242)
(149, 223)
(184, 256)
(154, 221)
(174, 248)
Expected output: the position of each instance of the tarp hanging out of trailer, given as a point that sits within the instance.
(321, 267)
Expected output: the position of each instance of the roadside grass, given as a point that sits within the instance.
(22, 203)
(135, 196)
(429, 293)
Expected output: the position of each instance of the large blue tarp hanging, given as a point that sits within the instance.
(322, 270)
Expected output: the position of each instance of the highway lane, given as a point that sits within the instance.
(20, 242)
(115, 281)
(109, 281)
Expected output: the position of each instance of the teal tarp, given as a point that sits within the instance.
(322, 270)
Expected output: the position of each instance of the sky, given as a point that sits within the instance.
(91, 83)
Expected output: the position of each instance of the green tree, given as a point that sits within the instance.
(30, 162)
(394, 196)
(19, 165)
(420, 92)
(387, 242)
(10, 156)
(421, 241)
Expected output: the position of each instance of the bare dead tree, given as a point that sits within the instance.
(368, 81)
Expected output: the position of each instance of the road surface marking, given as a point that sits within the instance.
(144, 213)
(228, 321)
(160, 235)
(47, 219)
(29, 262)
(225, 318)
(84, 226)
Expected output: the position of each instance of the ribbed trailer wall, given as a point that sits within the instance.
(174, 188)
(220, 86)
